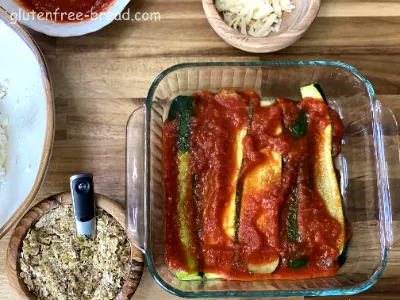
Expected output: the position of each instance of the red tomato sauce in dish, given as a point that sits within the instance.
(66, 11)
(276, 171)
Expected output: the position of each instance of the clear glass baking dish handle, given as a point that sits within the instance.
(135, 175)
(387, 147)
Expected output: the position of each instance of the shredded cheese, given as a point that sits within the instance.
(257, 18)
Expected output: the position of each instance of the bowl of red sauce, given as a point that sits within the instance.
(167, 156)
(65, 18)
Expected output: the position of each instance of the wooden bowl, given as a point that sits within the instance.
(34, 214)
(294, 25)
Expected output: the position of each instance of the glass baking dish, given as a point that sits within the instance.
(368, 164)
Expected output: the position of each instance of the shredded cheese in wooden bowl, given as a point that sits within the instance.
(257, 18)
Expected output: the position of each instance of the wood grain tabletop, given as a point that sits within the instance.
(100, 78)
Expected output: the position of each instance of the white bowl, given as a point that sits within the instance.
(64, 29)
(29, 106)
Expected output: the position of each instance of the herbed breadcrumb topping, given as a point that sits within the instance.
(57, 265)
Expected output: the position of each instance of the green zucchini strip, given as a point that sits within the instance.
(299, 127)
(265, 174)
(229, 215)
(325, 179)
(183, 106)
(292, 227)
(188, 276)
(299, 263)
(185, 191)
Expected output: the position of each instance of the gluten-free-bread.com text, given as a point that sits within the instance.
(22, 15)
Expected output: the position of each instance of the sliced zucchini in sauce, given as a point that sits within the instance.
(188, 276)
(212, 276)
(262, 177)
(267, 102)
(184, 192)
(299, 127)
(263, 268)
(229, 215)
(292, 227)
(182, 107)
(298, 263)
(313, 91)
(325, 180)
(264, 174)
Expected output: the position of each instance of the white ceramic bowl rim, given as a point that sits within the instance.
(65, 29)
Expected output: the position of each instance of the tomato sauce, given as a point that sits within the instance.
(66, 11)
(264, 211)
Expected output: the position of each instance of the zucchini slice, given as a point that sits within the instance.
(188, 276)
(259, 179)
(212, 276)
(313, 91)
(292, 227)
(263, 175)
(263, 268)
(325, 180)
(267, 102)
(229, 215)
(299, 127)
(184, 192)
(266, 174)
(298, 263)
(182, 106)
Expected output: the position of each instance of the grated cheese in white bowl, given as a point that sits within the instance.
(257, 18)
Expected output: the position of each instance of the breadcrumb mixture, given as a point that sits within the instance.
(57, 265)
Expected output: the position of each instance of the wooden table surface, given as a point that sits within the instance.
(99, 78)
